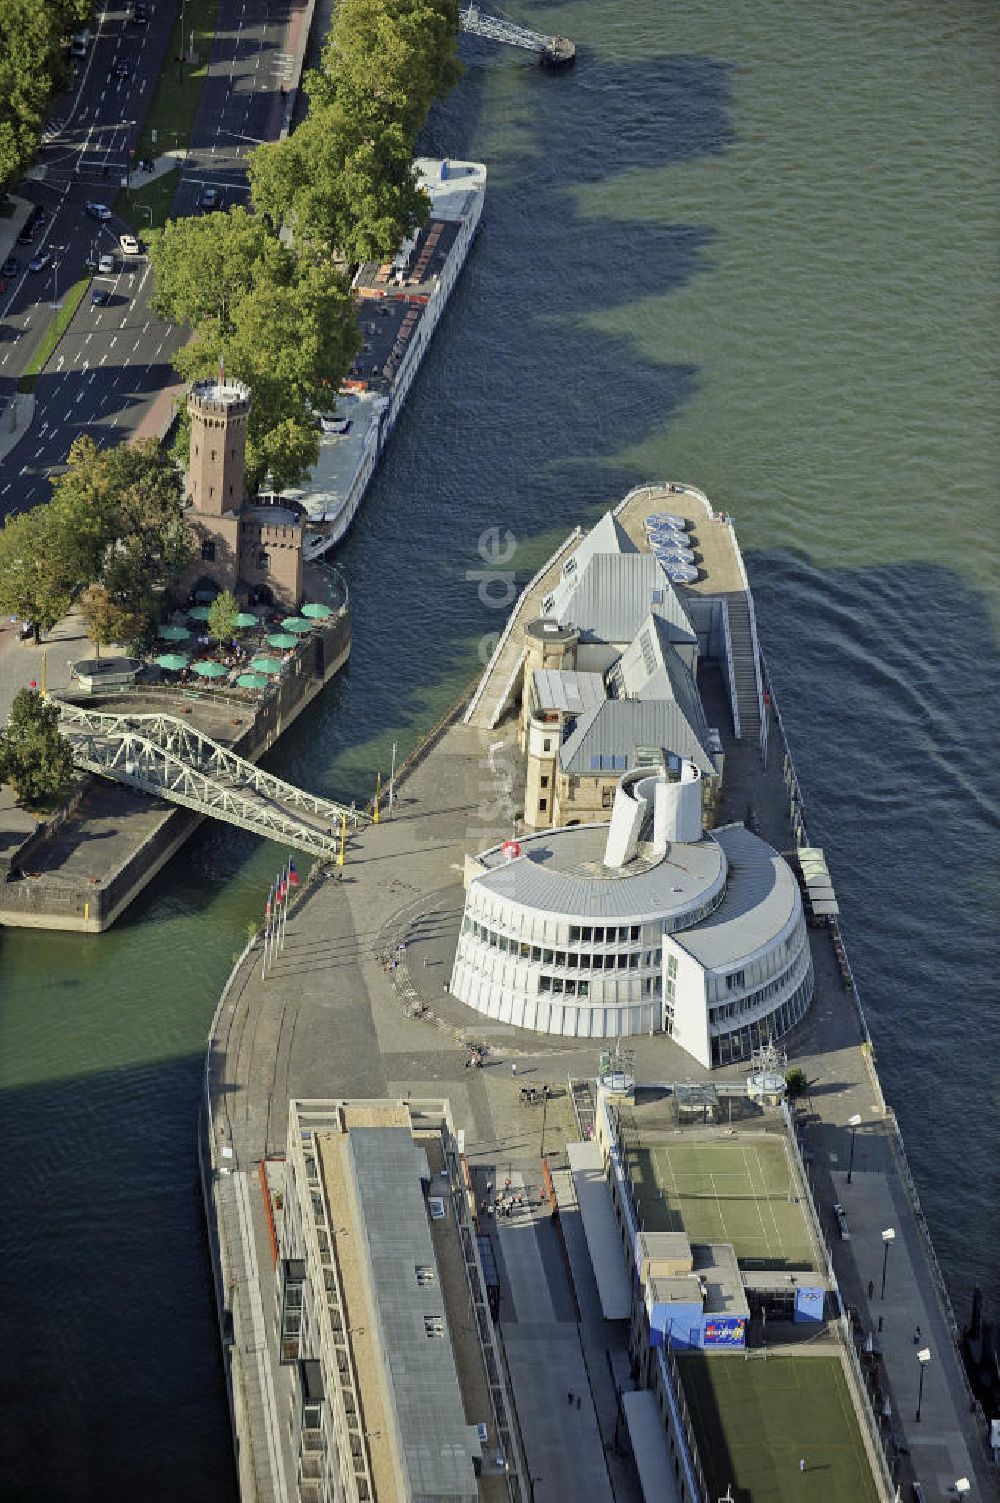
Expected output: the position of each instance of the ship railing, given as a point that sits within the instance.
(512, 621)
(756, 666)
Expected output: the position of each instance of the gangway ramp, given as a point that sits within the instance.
(167, 757)
(553, 52)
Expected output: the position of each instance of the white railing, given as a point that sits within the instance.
(733, 696)
(511, 621)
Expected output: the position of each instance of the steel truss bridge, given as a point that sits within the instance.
(499, 29)
(168, 758)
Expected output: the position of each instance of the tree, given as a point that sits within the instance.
(222, 615)
(206, 266)
(119, 516)
(796, 1082)
(107, 621)
(35, 759)
(35, 580)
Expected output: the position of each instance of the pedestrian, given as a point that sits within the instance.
(802, 1464)
(489, 1187)
(569, 1398)
(578, 1401)
(468, 1062)
(916, 1337)
(871, 1287)
(513, 1067)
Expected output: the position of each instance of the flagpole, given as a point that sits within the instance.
(276, 919)
(267, 926)
(284, 916)
(378, 791)
(392, 779)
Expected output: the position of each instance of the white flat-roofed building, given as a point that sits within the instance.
(649, 924)
(383, 1312)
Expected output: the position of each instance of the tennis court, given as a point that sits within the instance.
(756, 1420)
(739, 1191)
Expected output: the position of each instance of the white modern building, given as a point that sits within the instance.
(647, 924)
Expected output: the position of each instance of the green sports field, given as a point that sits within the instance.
(755, 1420)
(735, 1191)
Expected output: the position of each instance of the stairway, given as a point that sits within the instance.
(744, 649)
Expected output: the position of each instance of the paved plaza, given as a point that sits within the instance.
(347, 1011)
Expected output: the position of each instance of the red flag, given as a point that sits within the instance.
(222, 370)
(293, 876)
(280, 894)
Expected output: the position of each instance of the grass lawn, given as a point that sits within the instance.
(735, 1191)
(177, 98)
(157, 196)
(756, 1420)
(54, 332)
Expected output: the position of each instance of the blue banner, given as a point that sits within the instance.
(808, 1304)
(723, 1330)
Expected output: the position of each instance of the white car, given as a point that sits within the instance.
(129, 245)
(106, 264)
(98, 211)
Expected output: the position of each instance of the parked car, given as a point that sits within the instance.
(209, 199)
(32, 226)
(39, 262)
(100, 296)
(10, 267)
(106, 264)
(98, 211)
(129, 245)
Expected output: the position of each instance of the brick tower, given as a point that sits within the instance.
(217, 456)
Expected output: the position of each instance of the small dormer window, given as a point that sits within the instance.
(569, 567)
(548, 603)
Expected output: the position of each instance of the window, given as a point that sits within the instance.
(543, 803)
(569, 567)
(208, 551)
(548, 603)
(213, 456)
(671, 964)
(263, 560)
(545, 781)
(424, 1274)
(434, 1327)
(607, 797)
(547, 744)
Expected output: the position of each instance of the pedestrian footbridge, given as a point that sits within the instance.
(165, 756)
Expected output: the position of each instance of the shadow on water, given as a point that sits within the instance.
(889, 683)
(110, 1363)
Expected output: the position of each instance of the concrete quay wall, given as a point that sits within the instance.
(91, 905)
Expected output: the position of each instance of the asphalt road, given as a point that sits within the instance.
(114, 359)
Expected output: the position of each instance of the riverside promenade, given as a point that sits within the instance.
(356, 1005)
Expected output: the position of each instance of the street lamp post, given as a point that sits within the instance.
(853, 1123)
(888, 1237)
(923, 1357)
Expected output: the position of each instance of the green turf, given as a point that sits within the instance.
(156, 196)
(178, 93)
(756, 1419)
(734, 1191)
(60, 323)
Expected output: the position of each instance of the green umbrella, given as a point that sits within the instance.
(208, 669)
(175, 661)
(198, 613)
(317, 611)
(282, 639)
(173, 633)
(266, 665)
(252, 681)
(245, 619)
(296, 624)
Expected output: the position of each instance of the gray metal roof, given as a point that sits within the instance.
(419, 1369)
(610, 595)
(651, 668)
(562, 871)
(566, 690)
(617, 727)
(761, 897)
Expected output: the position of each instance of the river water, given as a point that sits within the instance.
(748, 246)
